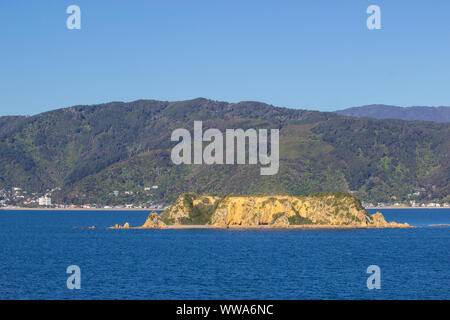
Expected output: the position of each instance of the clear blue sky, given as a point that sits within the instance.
(302, 54)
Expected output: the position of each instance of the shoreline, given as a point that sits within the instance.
(403, 208)
(292, 227)
(264, 227)
(150, 209)
(79, 209)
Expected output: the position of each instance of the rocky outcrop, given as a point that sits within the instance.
(126, 225)
(330, 209)
(379, 221)
(190, 208)
(153, 222)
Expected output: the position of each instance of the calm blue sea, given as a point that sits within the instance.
(38, 246)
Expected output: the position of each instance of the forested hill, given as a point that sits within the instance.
(91, 151)
(378, 111)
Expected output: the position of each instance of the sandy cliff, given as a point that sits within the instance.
(332, 209)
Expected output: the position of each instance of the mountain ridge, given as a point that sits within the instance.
(91, 151)
(380, 111)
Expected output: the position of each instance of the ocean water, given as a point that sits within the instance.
(38, 246)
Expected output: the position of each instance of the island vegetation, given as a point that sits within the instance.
(326, 210)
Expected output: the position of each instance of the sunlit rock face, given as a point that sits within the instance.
(153, 222)
(126, 225)
(330, 209)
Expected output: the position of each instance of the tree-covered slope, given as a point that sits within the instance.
(91, 151)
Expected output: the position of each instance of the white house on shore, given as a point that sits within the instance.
(45, 201)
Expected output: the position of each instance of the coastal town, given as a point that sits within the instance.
(17, 197)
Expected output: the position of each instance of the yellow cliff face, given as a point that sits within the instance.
(190, 208)
(276, 211)
(251, 211)
(286, 210)
(331, 210)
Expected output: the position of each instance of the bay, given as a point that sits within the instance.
(38, 246)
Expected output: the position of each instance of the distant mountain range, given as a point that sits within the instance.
(379, 111)
(91, 151)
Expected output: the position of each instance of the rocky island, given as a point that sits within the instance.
(326, 210)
